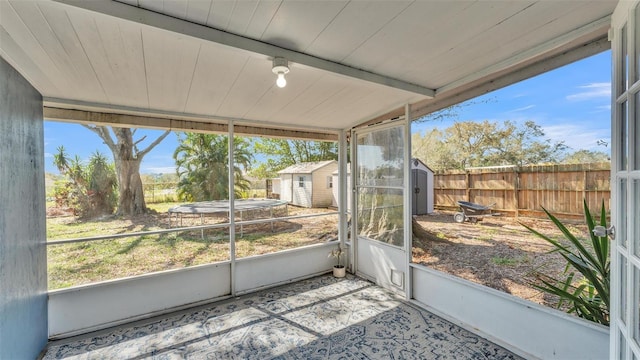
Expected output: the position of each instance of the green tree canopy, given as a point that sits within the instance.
(202, 166)
(281, 153)
(469, 144)
(585, 157)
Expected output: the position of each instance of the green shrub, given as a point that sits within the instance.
(588, 298)
(90, 190)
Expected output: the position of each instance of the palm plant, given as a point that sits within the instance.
(202, 166)
(589, 298)
(90, 190)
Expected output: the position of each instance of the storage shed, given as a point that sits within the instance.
(273, 188)
(422, 180)
(308, 184)
(422, 184)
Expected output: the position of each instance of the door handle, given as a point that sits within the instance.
(601, 231)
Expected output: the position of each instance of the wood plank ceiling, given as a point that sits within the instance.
(97, 59)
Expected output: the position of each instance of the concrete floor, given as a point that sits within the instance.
(319, 318)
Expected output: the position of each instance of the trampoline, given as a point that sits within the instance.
(222, 206)
(243, 206)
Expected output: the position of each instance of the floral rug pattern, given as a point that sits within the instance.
(319, 318)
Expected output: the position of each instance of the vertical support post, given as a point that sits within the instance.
(343, 210)
(202, 223)
(353, 251)
(408, 196)
(232, 215)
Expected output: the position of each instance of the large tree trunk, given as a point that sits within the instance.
(127, 157)
(130, 192)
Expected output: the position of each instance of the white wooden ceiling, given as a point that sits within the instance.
(101, 54)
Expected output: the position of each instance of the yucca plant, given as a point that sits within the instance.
(588, 298)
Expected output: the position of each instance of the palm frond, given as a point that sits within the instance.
(590, 299)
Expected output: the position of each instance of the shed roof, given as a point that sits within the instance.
(415, 162)
(306, 167)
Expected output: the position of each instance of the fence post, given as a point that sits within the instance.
(468, 185)
(584, 185)
(516, 190)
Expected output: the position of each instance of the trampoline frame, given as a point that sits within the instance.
(222, 206)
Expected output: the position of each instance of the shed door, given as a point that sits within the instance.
(420, 185)
(625, 183)
(381, 176)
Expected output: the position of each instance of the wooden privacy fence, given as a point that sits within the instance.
(523, 191)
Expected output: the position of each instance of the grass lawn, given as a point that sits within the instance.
(87, 262)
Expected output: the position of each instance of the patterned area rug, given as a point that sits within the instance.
(319, 318)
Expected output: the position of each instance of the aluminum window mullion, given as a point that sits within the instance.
(379, 187)
(232, 212)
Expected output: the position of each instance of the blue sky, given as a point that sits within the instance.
(571, 104)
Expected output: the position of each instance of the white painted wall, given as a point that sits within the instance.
(285, 188)
(261, 271)
(314, 192)
(96, 306)
(91, 307)
(322, 194)
(378, 262)
(302, 194)
(275, 186)
(527, 328)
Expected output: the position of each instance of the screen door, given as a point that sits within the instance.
(381, 179)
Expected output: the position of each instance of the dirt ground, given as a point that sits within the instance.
(497, 252)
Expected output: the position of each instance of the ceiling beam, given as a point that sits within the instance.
(167, 123)
(186, 28)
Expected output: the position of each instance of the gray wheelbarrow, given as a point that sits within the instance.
(472, 212)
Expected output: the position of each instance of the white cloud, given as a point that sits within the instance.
(522, 108)
(48, 155)
(578, 137)
(591, 91)
(603, 107)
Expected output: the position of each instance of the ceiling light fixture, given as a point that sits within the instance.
(280, 67)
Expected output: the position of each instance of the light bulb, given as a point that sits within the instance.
(281, 82)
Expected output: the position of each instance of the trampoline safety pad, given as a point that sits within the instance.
(222, 206)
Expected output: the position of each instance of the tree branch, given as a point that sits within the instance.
(139, 141)
(104, 134)
(144, 152)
